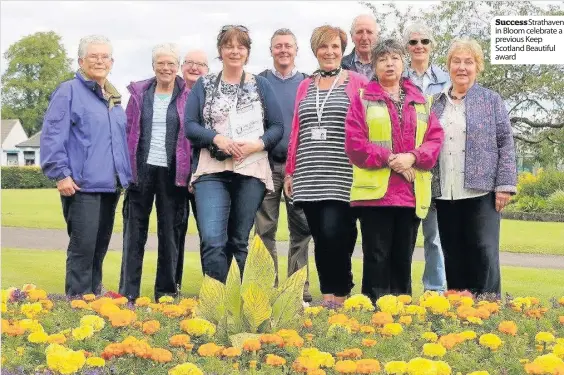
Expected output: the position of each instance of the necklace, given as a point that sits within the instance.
(454, 97)
(329, 73)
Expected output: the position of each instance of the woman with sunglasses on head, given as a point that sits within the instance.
(233, 120)
(430, 79)
(318, 172)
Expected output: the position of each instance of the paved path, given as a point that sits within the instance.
(49, 239)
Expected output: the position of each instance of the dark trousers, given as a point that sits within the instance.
(90, 221)
(469, 230)
(190, 201)
(227, 203)
(266, 226)
(155, 182)
(388, 241)
(333, 228)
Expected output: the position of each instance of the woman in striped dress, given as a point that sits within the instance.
(318, 172)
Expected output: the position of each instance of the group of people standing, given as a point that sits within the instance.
(367, 137)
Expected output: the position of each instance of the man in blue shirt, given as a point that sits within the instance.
(284, 78)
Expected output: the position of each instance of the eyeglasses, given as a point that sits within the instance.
(200, 66)
(162, 64)
(94, 58)
(238, 27)
(413, 42)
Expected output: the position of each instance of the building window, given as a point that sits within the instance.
(12, 158)
(29, 157)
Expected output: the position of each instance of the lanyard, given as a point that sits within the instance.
(318, 109)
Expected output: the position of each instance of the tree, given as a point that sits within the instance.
(36, 64)
(533, 93)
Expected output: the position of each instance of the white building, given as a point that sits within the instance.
(30, 149)
(13, 134)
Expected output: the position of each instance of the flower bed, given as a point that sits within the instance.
(434, 335)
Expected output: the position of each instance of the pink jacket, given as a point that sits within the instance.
(365, 154)
(356, 81)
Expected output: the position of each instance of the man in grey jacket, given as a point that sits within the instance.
(364, 34)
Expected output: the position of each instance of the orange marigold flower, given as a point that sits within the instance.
(317, 372)
(508, 327)
(108, 309)
(274, 360)
(464, 312)
(112, 350)
(231, 352)
(209, 350)
(122, 318)
(345, 367)
(46, 304)
(308, 323)
(338, 319)
(36, 295)
(406, 319)
(309, 336)
(350, 353)
(179, 340)
(89, 297)
(367, 330)
(161, 355)
(382, 318)
(534, 368)
(57, 338)
(483, 312)
(271, 339)
(142, 301)
(173, 311)
(253, 364)
(368, 342)
(367, 366)
(151, 327)
(251, 345)
(561, 319)
(79, 304)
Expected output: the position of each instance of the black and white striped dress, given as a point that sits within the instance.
(323, 171)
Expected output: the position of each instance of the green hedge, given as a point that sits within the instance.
(25, 178)
(540, 193)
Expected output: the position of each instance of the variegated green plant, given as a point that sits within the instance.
(242, 308)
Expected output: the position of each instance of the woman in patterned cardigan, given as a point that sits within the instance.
(476, 173)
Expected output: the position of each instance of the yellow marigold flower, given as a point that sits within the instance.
(368, 342)
(313, 310)
(30, 310)
(57, 338)
(405, 299)
(173, 311)
(274, 360)
(548, 363)
(338, 319)
(405, 319)
(490, 341)
(231, 352)
(436, 304)
(121, 301)
(37, 337)
(36, 295)
(421, 366)
(64, 361)
(468, 335)
(558, 350)
(479, 373)
(30, 325)
(185, 369)
(415, 310)
(561, 301)
(508, 327)
(94, 321)
(95, 362)
(236, 366)
(430, 336)
(443, 368)
(253, 364)
(166, 299)
(367, 366)
(392, 329)
(89, 297)
(82, 332)
(367, 330)
(544, 337)
(209, 350)
(142, 301)
(251, 345)
(79, 304)
(434, 350)
(390, 304)
(475, 320)
(382, 318)
(20, 350)
(4, 308)
(395, 367)
(197, 327)
(345, 367)
(358, 302)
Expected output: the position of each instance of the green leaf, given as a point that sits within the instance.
(233, 301)
(259, 268)
(287, 304)
(238, 339)
(211, 305)
(256, 306)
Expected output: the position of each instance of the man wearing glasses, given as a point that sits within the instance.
(194, 65)
(284, 78)
(364, 34)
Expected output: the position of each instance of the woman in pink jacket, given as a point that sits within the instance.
(318, 172)
(393, 141)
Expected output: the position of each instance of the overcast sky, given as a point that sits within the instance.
(134, 27)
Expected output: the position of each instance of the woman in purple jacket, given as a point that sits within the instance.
(476, 173)
(160, 162)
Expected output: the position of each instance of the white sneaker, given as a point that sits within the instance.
(305, 304)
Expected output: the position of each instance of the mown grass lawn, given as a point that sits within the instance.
(41, 208)
(46, 269)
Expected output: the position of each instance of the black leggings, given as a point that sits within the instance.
(333, 228)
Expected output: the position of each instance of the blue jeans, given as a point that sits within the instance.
(434, 277)
(227, 203)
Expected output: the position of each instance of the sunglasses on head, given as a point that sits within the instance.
(238, 27)
(413, 42)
